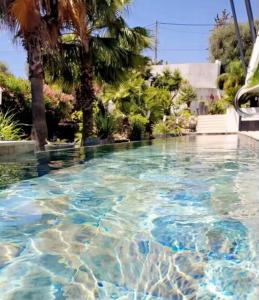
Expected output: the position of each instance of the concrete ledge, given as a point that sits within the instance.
(249, 139)
(252, 134)
(16, 147)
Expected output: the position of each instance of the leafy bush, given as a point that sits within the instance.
(144, 104)
(16, 97)
(168, 80)
(217, 107)
(137, 124)
(169, 127)
(9, 130)
(232, 80)
(62, 104)
(223, 45)
(186, 94)
(15, 85)
(255, 78)
(161, 128)
(105, 125)
(77, 118)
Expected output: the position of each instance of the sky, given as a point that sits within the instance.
(177, 44)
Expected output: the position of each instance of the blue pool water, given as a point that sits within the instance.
(176, 219)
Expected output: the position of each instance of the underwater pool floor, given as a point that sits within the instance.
(178, 219)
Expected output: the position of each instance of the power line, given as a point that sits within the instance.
(187, 50)
(184, 31)
(181, 24)
(159, 26)
(187, 24)
(150, 25)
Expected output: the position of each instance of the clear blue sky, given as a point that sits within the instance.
(145, 12)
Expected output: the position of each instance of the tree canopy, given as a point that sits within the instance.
(223, 44)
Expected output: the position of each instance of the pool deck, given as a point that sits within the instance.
(252, 134)
(13, 148)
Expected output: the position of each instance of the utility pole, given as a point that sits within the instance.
(156, 43)
(238, 35)
(250, 19)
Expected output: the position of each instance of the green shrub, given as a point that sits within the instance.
(16, 97)
(170, 126)
(105, 125)
(217, 108)
(161, 128)
(77, 117)
(255, 78)
(9, 130)
(137, 124)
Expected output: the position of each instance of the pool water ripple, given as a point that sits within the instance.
(173, 220)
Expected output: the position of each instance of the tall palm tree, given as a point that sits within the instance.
(111, 48)
(38, 23)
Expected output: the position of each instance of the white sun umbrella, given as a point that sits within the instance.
(252, 84)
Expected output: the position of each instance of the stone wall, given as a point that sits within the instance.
(16, 147)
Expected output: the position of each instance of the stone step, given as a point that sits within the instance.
(212, 124)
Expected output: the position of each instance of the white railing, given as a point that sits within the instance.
(248, 88)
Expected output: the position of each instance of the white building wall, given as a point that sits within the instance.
(202, 77)
(199, 75)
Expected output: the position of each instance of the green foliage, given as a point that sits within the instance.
(135, 96)
(60, 103)
(168, 80)
(217, 107)
(147, 105)
(157, 102)
(186, 94)
(255, 78)
(9, 130)
(114, 48)
(15, 85)
(232, 80)
(128, 95)
(161, 128)
(16, 96)
(77, 117)
(223, 44)
(3, 68)
(170, 126)
(137, 124)
(105, 125)
(180, 91)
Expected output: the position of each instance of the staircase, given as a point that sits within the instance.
(212, 124)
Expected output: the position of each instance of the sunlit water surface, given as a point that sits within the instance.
(178, 219)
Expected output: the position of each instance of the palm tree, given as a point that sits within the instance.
(111, 48)
(232, 80)
(38, 24)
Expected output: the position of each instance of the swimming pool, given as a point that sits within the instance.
(174, 219)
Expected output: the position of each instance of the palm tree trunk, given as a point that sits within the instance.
(86, 96)
(36, 76)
